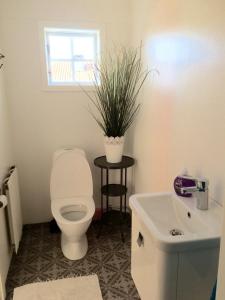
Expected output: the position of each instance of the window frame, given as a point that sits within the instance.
(69, 33)
(60, 26)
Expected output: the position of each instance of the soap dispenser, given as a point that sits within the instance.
(183, 180)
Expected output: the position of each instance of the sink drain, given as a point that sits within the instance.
(175, 231)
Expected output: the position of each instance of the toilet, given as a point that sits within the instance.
(72, 204)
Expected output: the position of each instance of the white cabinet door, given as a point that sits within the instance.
(154, 272)
(197, 274)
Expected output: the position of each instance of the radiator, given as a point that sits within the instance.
(10, 223)
(14, 209)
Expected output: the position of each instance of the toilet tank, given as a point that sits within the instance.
(70, 175)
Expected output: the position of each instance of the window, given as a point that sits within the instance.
(71, 56)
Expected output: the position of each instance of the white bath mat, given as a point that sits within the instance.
(79, 288)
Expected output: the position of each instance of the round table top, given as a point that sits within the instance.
(126, 162)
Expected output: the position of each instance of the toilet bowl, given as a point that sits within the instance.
(72, 204)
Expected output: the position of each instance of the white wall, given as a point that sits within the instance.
(182, 122)
(45, 121)
(5, 161)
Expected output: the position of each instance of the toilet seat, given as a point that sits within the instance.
(63, 209)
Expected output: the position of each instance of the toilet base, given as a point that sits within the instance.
(74, 250)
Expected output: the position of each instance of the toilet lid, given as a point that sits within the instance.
(70, 176)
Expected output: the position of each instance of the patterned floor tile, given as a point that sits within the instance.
(40, 258)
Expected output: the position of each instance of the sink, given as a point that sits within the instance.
(175, 246)
(164, 212)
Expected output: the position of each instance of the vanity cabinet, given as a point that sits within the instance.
(168, 275)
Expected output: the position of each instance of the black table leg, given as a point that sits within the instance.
(102, 207)
(107, 197)
(121, 208)
(125, 196)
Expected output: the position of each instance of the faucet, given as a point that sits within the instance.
(200, 190)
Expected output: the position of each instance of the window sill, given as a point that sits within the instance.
(68, 88)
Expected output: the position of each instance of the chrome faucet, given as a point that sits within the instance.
(200, 191)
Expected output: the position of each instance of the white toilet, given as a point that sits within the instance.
(72, 203)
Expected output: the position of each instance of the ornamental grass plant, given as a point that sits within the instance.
(118, 80)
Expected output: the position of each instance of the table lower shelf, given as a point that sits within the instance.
(114, 190)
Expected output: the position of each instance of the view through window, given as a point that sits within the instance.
(71, 56)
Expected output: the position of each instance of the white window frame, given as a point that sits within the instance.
(89, 28)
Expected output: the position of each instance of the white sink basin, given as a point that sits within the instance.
(165, 212)
(174, 267)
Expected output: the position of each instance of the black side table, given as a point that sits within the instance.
(114, 190)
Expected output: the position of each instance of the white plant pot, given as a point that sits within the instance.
(114, 148)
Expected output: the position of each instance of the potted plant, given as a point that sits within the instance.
(117, 81)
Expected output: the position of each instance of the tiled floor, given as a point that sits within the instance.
(40, 259)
